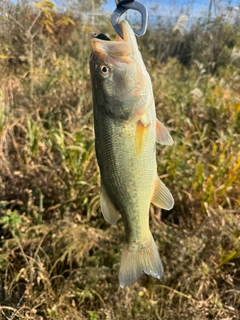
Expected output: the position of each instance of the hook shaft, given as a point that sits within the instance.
(122, 7)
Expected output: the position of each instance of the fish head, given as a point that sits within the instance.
(120, 82)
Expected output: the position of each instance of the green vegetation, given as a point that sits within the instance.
(59, 259)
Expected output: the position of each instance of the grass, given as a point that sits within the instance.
(59, 259)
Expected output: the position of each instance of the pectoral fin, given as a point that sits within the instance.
(162, 196)
(162, 134)
(110, 213)
(140, 137)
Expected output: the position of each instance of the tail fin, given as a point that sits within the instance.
(136, 261)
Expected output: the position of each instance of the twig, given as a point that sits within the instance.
(34, 21)
(18, 305)
(18, 23)
(232, 290)
(176, 291)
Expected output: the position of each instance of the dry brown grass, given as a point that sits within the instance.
(69, 271)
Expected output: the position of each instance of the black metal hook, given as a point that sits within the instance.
(122, 7)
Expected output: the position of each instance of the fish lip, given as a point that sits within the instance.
(126, 31)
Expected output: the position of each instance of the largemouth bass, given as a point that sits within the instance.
(126, 132)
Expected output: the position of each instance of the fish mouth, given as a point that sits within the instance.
(120, 46)
(126, 30)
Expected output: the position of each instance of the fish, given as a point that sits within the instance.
(126, 132)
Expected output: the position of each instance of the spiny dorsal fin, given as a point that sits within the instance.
(162, 134)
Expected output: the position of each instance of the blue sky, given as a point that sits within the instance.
(167, 8)
(175, 7)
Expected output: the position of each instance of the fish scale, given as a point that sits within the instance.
(121, 171)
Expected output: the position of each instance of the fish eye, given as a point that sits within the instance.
(104, 70)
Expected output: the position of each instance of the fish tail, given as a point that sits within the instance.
(135, 261)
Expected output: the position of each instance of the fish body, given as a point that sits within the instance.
(126, 131)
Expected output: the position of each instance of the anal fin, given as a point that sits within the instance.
(110, 213)
(162, 134)
(162, 197)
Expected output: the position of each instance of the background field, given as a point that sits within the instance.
(59, 259)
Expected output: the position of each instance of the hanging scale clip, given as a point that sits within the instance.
(122, 7)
